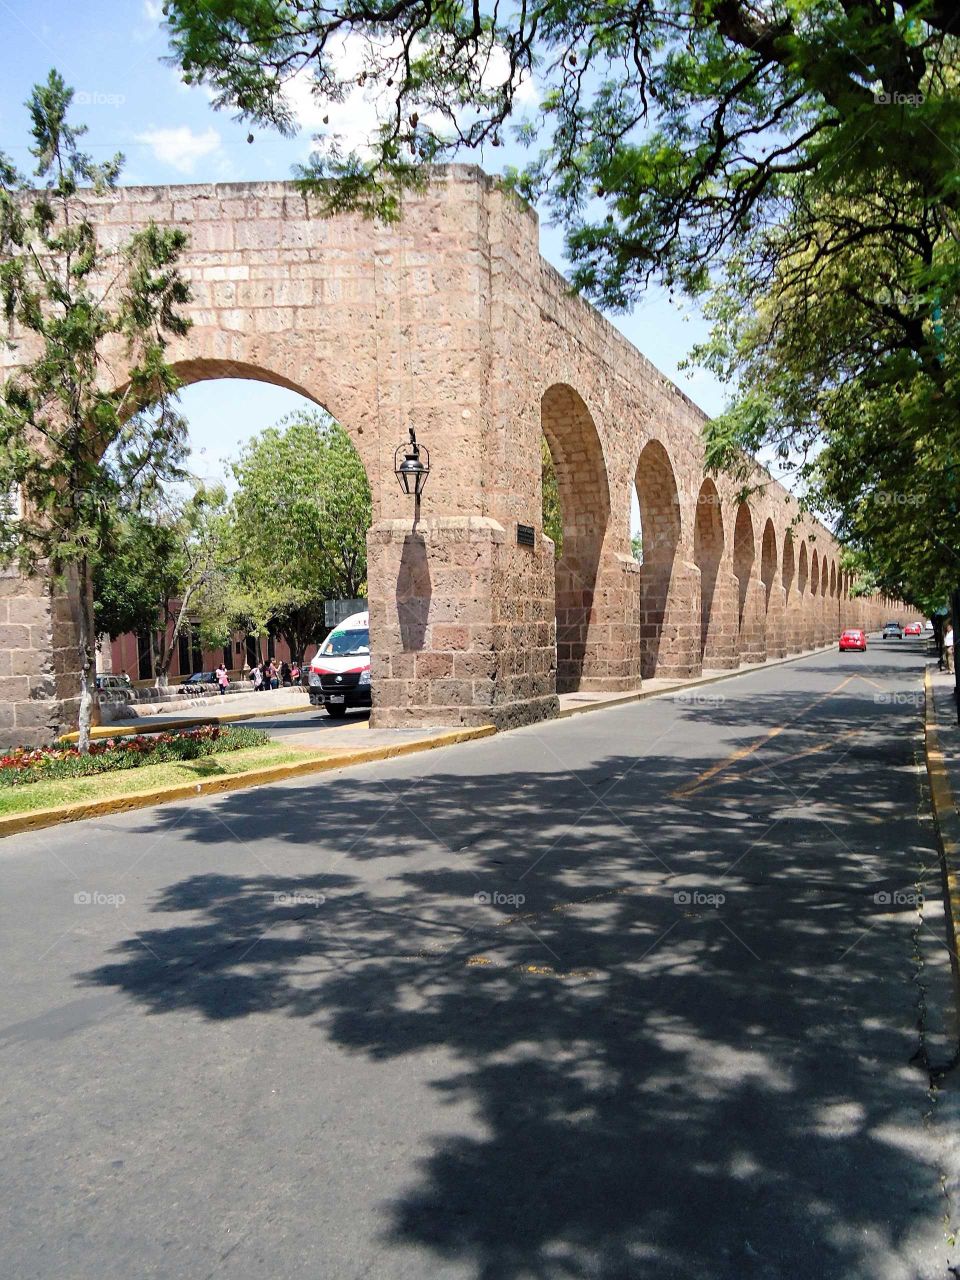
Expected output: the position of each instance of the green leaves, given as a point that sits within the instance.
(79, 445)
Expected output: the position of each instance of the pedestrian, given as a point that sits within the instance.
(948, 646)
(256, 675)
(223, 678)
(295, 673)
(273, 676)
(286, 678)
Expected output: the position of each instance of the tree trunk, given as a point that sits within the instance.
(86, 642)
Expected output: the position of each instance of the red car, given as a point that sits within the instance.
(912, 629)
(852, 638)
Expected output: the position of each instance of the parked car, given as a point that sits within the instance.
(114, 688)
(892, 631)
(198, 683)
(912, 629)
(340, 669)
(853, 638)
(928, 628)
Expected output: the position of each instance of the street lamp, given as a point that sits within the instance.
(412, 470)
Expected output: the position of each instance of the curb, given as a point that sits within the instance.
(17, 823)
(947, 826)
(174, 726)
(639, 695)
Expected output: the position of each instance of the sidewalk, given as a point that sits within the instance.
(948, 731)
(572, 704)
(211, 707)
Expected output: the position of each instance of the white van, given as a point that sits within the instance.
(340, 669)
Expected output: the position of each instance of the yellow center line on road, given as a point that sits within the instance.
(799, 755)
(688, 788)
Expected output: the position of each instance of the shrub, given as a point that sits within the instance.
(21, 766)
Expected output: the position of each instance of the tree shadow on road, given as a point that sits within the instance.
(688, 1048)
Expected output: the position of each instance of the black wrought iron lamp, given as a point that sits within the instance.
(413, 468)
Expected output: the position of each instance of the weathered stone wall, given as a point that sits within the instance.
(451, 321)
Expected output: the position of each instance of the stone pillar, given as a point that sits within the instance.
(776, 622)
(669, 620)
(38, 659)
(751, 640)
(719, 634)
(462, 624)
(598, 643)
(793, 611)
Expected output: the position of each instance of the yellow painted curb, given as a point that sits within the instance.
(947, 825)
(340, 759)
(174, 726)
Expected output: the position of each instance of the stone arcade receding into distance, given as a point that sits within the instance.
(451, 320)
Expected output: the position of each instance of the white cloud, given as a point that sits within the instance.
(153, 10)
(180, 148)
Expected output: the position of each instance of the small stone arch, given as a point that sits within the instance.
(584, 494)
(768, 559)
(708, 544)
(659, 505)
(789, 564)
(661, 528)
(744, 555)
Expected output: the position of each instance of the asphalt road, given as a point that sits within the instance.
(285, 1038)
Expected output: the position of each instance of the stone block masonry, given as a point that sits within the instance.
(451, 321)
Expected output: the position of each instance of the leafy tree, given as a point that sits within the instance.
(552, 515)
(73, 440)
(636, 547)
(301, 515)
(806, 146)
(161, 568)
(669, 128)
(844, 371)
(134, 583)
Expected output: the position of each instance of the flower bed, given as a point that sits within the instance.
(20, 767)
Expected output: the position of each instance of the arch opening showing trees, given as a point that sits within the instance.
(583, 500)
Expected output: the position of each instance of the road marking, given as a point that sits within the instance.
(797, 755)
(688, 788)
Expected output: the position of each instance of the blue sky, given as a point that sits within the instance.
(112, 55)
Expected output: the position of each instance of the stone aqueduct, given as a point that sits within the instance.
(452, 321)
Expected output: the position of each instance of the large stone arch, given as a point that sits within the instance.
(448, 320)
(775, 642)
(582, 631)
(750, 603)
(668, 588)
(718, 598)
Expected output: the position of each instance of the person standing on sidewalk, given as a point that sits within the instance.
(948, 652)
(223, 678)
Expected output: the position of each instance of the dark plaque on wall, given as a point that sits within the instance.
(525, 534)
